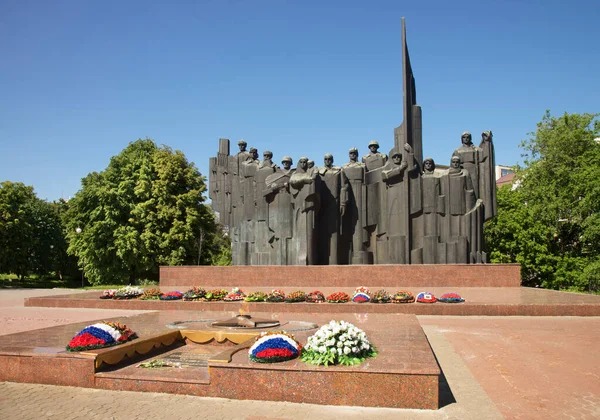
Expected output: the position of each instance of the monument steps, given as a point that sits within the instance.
(486, 301)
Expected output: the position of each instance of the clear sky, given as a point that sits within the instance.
(79, 79)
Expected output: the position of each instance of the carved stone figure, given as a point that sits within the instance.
(479, 161)
(374, 159)
(280, 223)
(457, 186)
(287, 163)
(304, 188)
(329, 216)
(353, 203)
(396, 211)
(262, 248)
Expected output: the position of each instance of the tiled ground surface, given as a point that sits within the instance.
(530, 367)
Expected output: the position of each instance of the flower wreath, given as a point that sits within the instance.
(100, 335)
(274, 346)
(451, 298)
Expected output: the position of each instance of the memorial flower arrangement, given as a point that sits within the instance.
(451, 298)
(171, 296)
(297, 296)
(236, 294)
(338, 297)
(216, 294)
(361, 295)
(100, 335)
(315, 297)
(195, 293)
(129, 292)
(151, 294)
(108, 294)
(276, 295)
(381, 296)
(426, 297)
(403, 297)
(274, 346)
(338, 343)
(256, 297)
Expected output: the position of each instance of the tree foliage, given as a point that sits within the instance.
(31, 237)
(144, 210)
(550, 223)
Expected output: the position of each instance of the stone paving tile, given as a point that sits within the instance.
(531, 367)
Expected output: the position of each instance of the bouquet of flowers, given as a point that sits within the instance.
(236, 294)
(102, 334)
(381, 296)
(195, 293)
(315, 297)
(216, 294)
(151, 294)
(297, 296)
(338, 297)
(338, 343)
(129, 292)
(256, 297)
(361, 295)
(451, 298)
(426, 297)
(171, 296)
(274, 346)
(403, 297)
(276, 295)
(108, 294)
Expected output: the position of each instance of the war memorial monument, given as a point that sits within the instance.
(387, 220)
(382, 209)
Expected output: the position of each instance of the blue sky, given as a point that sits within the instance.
(81, 79)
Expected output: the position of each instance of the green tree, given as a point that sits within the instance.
(144, 210)
(31, 236)
(550, 224)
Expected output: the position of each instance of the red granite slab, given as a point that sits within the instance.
(489, 301)
(405, 366)
(344, 276)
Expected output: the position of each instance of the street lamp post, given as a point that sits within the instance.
(78, 231)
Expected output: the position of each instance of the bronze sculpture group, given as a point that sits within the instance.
(396, 210)
(374, 211)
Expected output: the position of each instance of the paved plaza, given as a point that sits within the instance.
(494, 367)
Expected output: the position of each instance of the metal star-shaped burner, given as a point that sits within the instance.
(245, 321)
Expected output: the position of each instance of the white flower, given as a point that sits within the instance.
(354, 350)
(322, 350)
(346, 350)
(339, 351)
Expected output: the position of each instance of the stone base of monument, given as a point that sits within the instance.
(205, 361)
(489, 301)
